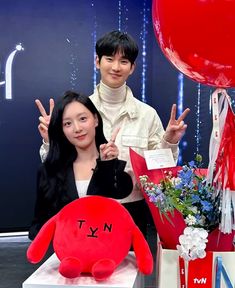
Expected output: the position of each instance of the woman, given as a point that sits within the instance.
(80, 161)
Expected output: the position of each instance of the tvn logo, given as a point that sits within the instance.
(7, 82)
(199, 281)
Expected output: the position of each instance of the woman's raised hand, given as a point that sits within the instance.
(110, 150)
(44, 119)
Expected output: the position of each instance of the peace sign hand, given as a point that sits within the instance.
(176, 127)
(109, 150)
(44, 119)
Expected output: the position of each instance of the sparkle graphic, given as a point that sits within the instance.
(120, 15)
(73, 45)
(143, 37)
(180, 101)
(8, 72)
(197, 134)
(94, 39)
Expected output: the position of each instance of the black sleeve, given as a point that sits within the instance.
(41, 206)
(111, 180)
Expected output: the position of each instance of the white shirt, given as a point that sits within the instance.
(82, 186)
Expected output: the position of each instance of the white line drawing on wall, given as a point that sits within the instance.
(8, 72)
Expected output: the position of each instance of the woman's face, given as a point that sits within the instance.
(79, 125)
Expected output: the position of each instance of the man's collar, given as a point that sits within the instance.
(129, 105)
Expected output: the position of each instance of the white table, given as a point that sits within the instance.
(47, 276)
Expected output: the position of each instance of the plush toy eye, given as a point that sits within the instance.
(108, 227)
(81, 222)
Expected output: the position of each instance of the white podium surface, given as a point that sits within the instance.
(47, 275)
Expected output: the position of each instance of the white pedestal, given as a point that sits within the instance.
(46, 276)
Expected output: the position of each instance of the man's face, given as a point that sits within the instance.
(114, 69)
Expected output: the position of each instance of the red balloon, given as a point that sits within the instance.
(198, 38)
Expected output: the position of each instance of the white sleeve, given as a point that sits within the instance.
(156, 137)
(43, 151)
(174, 148)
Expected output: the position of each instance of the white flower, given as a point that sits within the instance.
(175, 181)
(190, 220)
(192, 243)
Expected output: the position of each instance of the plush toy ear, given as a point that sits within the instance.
(144, 258)
(39, 246)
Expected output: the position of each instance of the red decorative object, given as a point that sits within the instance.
(169, 229)
(92, 235)
(225, 162)
(197, 37)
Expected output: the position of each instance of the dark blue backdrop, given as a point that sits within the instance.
(58, 38)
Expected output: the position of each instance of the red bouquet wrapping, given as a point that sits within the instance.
(171, 224)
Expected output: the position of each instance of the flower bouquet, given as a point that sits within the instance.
(185, 211)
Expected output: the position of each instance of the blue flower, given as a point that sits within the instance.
(206, 206)
(191, 164)
(189, 193)
(195, 199)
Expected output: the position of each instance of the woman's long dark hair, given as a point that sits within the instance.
(61, 152)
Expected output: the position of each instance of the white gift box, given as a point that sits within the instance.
(167, 265)
(47, 276)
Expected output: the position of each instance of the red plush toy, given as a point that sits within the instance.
(92, 234)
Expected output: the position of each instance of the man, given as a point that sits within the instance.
(139, 124)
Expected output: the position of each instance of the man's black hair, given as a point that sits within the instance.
(115, 41)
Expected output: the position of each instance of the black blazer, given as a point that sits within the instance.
(108, 179)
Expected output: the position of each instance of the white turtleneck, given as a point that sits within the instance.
(112, 99)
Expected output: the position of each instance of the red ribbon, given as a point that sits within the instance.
(225, 162)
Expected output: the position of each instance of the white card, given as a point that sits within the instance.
(159, 158)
